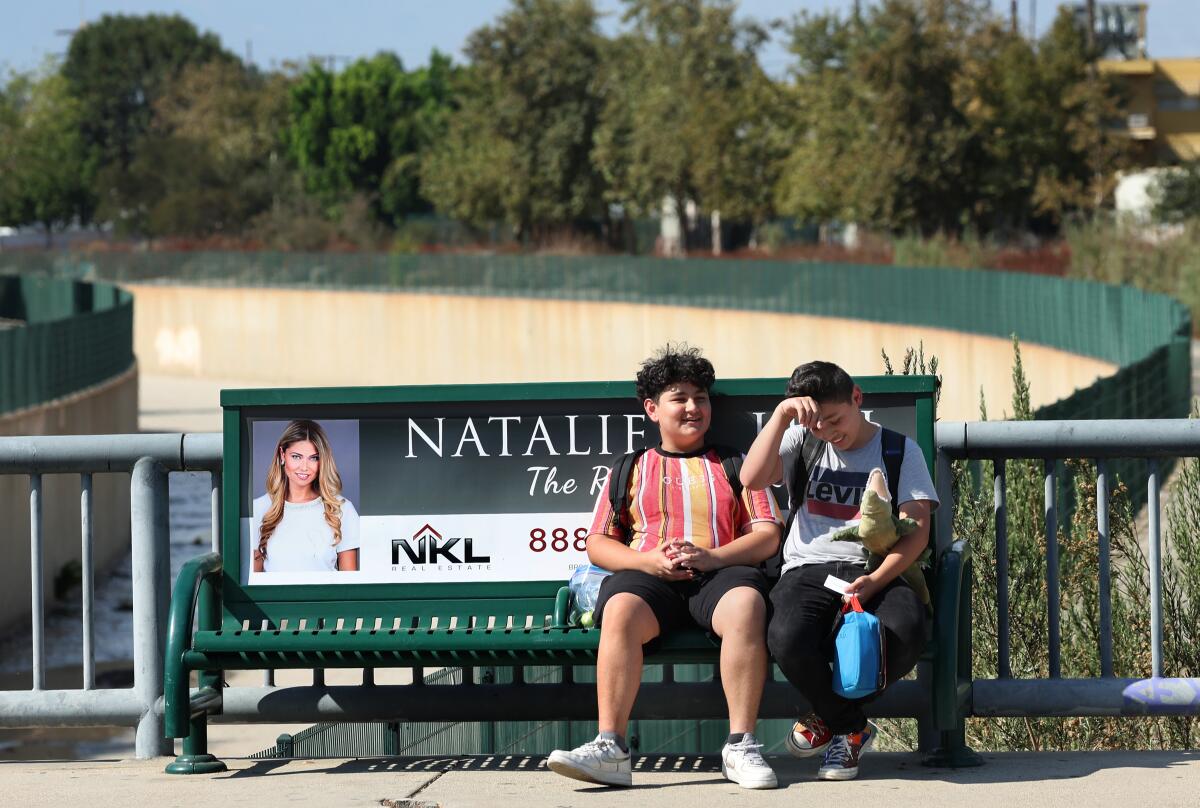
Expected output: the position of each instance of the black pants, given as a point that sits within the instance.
(801, 635)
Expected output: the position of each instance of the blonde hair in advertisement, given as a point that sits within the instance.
(328, 483)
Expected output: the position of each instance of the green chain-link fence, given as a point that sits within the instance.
(60, 336)
(1146, 335)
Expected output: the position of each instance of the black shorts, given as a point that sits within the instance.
(678, 603)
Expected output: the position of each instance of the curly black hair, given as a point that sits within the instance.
(822, 382)
(670, 365)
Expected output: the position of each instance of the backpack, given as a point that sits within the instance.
(622, 468)
(811, 450)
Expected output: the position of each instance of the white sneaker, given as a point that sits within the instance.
(599, 761)
(742, 763)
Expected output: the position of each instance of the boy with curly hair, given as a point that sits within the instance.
(685, 551)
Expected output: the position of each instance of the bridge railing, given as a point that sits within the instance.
(1153, 443)
(148, 459)
(151, 458)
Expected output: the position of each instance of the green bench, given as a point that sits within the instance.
(509, 473)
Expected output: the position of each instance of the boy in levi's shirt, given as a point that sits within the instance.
(823, 400)
(684, 552)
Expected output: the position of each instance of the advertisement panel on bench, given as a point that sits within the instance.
(449, 492)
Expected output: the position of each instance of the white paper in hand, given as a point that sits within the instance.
(836, 584)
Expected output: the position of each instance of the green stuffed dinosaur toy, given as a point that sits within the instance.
(879, 531)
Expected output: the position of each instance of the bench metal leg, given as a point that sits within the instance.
(195, 758)
(953, 752)
(952, 749)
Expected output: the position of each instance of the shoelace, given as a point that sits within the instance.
(839, 750)
(815, 726)
(749, 748)
(599, 746)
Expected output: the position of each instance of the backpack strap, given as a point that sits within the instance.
(893, 459)
(811, 450)
(731, 462)
(618, 487)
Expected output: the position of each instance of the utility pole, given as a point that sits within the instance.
(1091, 37)
(1091, 26)
(1033, 20)
(1013, 17)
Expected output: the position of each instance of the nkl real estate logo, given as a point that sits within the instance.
(427, 546)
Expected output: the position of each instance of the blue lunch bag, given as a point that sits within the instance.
(858, 653)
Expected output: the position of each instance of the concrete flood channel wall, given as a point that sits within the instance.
(293, 319)
(66, 368)
(297, 337)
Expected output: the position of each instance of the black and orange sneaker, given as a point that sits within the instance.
(843, 753)
(809, 736)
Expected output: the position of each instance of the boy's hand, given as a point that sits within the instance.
(699, 559)
(664, 562)
(801, 409)
(865, 587)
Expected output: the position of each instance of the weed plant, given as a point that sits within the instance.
(1166, 260)
(1079, 593)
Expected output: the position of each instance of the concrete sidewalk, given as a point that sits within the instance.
(894, 780)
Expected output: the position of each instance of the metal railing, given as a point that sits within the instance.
(1051, 441)
(149, 459)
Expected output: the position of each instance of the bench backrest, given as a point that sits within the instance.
(473, 500)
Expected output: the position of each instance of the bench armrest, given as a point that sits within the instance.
(951, 631)
(562, 607)
(200, 574)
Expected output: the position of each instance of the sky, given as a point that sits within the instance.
(274, 31)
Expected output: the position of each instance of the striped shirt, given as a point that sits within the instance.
(676, 497)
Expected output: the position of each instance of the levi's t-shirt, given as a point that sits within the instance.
(835, 488)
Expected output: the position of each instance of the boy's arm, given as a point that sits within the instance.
(750, 548)
(763, 466)
(903, 554)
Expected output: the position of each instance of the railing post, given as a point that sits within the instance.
(1052, 597)
(88, 581)
(37, 595)
(1000, 515)
(149, 519)
(215, 506)
(1105, 581)
(1155, 548)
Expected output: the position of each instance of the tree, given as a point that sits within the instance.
(690, 115)
(827, 175)
(884, 139)
(206, 164)
(1177, 193)
(363, 131)
(1080, 173)
(117, 69)
(41, 154)
(519, 146)
(931, 116)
